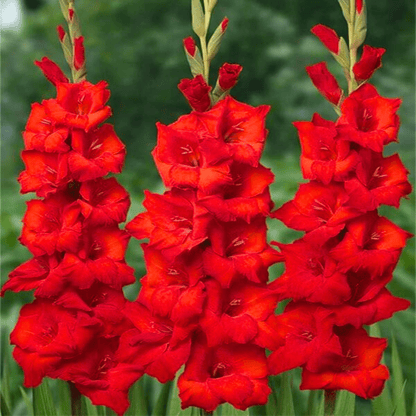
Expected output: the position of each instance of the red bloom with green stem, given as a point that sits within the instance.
(206, 295)
(78, 268)
(337, 272)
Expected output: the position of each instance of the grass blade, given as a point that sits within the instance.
(4, 408)
(28, 401)
(64, 404)
(5, 384)
(345, 403)
(285, 402)
(174, 404)
(42, 400)
(138, 401)
(161, 405)
(229, 410)
(398, 383)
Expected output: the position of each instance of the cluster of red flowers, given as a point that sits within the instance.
(205, 294)
(72, 329)
(336, 273)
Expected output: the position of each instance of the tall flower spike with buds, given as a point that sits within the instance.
(72, 330)
(205, 298)
(336, 273)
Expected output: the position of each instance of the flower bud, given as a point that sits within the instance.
(228, 75)
(196, 91)
(369, 62)
(189, 45)
(51, 71)
(325, 82)
(79, 52)
(328, 37)
(61, 32)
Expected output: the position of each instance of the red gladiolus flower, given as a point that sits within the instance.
(38, 273)
(104, 201)
(378, 181)
(101, 258)
(315, 206)
(369, 119)
(312, 274)
(45, 335)
(95, 153)
(190, 157)
(370, 61)
(357, 369)
(234, 315)
(324, 156)
(246, 196)
(45, 173)
(325, 82)
(228, 75)
(80, 105)
(305, 334)
(372, 243)
(196, 91)
(327, 36)
(174, 222)
(239, 249)
(154, 343)
(51, 71)
(43, 134)
(358, 313)
(170, 288)
(100, 375)
(359, 6)
(52, 225)
(232, 373)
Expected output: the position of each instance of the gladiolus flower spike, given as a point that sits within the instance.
(72, 331)
(206, 297)
(335, 275)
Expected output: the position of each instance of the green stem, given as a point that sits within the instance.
(205, 413)
(352, 85)
(76, 409)
(207, 16)
(329, 405)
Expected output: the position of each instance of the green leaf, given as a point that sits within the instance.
(215, 42)
(174, 404)
(398, 383)
(198, 18)
(228, 410)
(28, 401)
(313, 403)
(5, 382)
(285, 401)
(64, 398)
(345, 403)
(360, 28)
(321, 407)
(4, 408)
(343, 57)
(42, 400)
(87, 407)
(382, 404)
(345, 6)
(162, 401)
(138, 401)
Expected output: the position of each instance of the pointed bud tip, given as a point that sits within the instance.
(224, 24)
(189, 45)
(61, 32)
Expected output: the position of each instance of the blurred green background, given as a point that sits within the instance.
(136, 45)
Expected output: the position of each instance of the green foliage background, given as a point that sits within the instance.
(136, 45)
